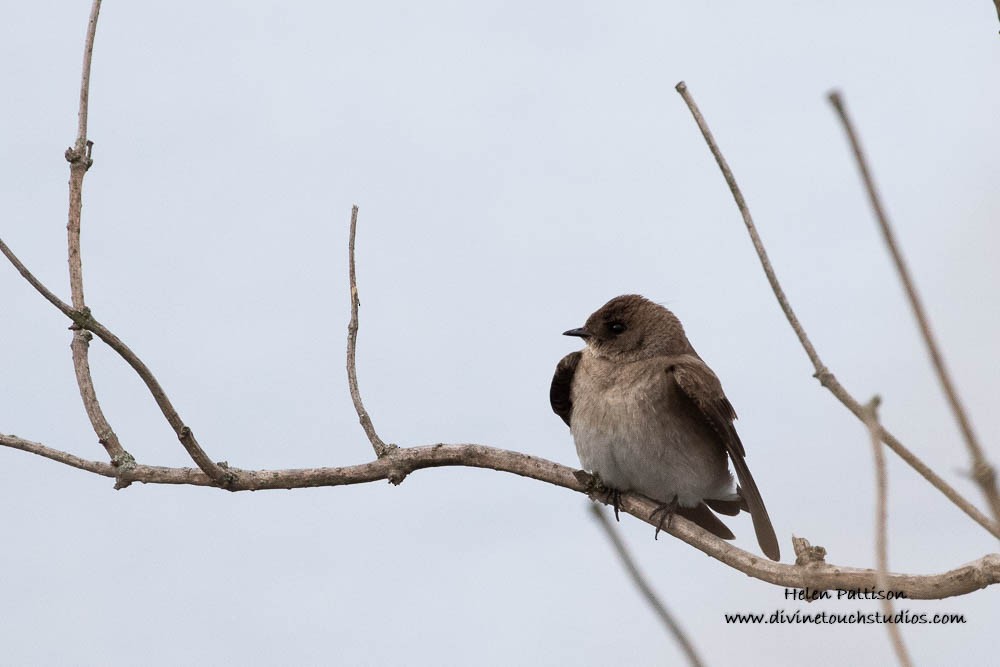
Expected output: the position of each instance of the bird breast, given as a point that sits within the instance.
(630, 429)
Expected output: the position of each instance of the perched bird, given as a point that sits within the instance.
(648, 415)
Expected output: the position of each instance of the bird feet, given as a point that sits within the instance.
(667, 511)
(596, 485)
(613, 498)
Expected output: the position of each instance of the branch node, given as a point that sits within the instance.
(123, 461)
(124, 464)
(824, 376)
(984, 474)
(590, 482)
(82, 318)
(806, 554)
(80, 158)
(396, 475)
(229, 480)
(387, 449)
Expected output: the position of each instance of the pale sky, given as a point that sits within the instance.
(516, 164)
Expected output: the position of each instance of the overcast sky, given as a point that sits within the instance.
(516, 164)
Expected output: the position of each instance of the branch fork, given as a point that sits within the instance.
(80, 157)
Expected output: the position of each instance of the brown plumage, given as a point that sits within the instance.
(648, 415)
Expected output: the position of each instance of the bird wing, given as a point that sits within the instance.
(702, 388)
(560, 395)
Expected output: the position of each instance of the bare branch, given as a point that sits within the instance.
(79, 162)
(816, 576)
(88, 52)
(647, 591)
(983, 472)
(381, 449)
(882, 529)
(825, 377)
(105, 434)
(34, 282)
(84, 320)
(758, 245)
(97, 467)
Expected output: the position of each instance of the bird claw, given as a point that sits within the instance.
(614, 498)
(667, 511)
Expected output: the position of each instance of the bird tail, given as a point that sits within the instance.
(701, 515)
(728, 507)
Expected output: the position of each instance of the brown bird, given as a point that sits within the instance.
(648, 415)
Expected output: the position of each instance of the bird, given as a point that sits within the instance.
(648, 415)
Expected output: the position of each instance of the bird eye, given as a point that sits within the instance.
(617, 328)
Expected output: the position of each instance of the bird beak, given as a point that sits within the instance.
(581, 332)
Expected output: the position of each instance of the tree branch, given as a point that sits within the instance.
(825, 377)
(105, 434)
(982, 471)
(882, 529)
(816, 576)
(381, 449)
(84, 320)
(79, 158)
(401, 462)
(647, 591)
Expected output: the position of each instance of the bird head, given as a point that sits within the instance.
(631, 327)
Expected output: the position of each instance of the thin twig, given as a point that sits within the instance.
(79, 158)
(381, 449)
(982, 471)
(817, 576)
(758, 245)
(80, 161)
(882, 529)
(83, 319)
(825, 377)
(647, 591)
(88, 52)
(105, 434)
